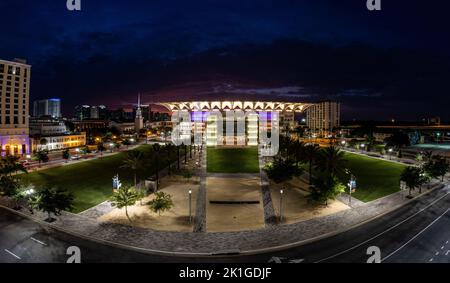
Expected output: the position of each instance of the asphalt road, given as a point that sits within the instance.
(417, 232)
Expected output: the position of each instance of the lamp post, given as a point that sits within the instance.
(362, 147)
(343, 143)
(281, 204)
(390, 153)
(351, 185)
(190, 206)
(111, 145)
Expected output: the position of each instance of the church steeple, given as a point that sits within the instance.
(139, 120)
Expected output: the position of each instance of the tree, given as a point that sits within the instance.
(127, 143)
(187, 174)
(298, 151)
(161, 202)
(42, 156)
(412, 176)
(124, 197)
(101, 148)
(66, 155)
(331, 161)
(134, 161)
(53, 201)
(397, 140)
(169, 148)
(282, 170)
(436, 166)
(310, 155)
(156, 151)
(10, 165)
(325, 188)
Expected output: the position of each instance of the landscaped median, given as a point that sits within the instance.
(375, 178)
(89, 181)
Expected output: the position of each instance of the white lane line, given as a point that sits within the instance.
(11, 253)
(437, 253)
(431, 259)
(37, 241)
(448, 251)
(442, 247)
(417, 235)
(385, 231)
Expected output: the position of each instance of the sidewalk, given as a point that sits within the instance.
(244, 241)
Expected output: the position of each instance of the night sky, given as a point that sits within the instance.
(393, 63)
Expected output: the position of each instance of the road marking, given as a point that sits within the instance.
(448, 251)
(437, 253)
(417, 235)
(11, 253)
(385, 231)
(431, 259)
(442, 247)
(37, 241)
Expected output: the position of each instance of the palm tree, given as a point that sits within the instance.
(169, 148)
(123, 197)
(298, 151)
(331, 161)
(310, 155)
(156, 150)
(134, 161)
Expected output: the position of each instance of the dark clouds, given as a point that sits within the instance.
(380, 64)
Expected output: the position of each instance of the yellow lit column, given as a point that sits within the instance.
(252, 129)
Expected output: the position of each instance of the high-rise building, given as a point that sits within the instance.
(47, 107)
(82, 112)
(322, 118)
(14, 107)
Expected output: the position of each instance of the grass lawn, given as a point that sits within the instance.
(375, 178)
(89, 181)
(233, 160)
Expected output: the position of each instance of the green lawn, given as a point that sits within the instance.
(233, 160)
(89, 181)
(375, 178)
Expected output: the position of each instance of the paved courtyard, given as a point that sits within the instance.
(176, 219)
(295, 203)
(235, 216)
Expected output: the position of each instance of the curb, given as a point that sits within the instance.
(217, 253)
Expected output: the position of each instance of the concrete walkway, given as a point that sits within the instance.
(269, 212)
(212, 243)
(200, 212)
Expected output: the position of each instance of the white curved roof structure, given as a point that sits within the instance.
(236, 105)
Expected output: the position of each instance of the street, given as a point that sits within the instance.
(417, 232)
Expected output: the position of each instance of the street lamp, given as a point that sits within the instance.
(362, 146)
(343, 143)
(390, 153)
(111, 145)
(281, 204)
(190, 206)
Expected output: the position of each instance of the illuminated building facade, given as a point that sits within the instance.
(202, 122)
(322, 118)
(14, 107)
(58, 142)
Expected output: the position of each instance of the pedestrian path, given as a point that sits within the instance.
(244, 241)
